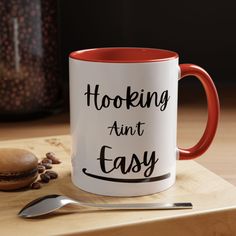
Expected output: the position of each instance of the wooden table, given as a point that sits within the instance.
(214, 198)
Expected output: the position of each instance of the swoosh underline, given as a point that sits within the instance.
(140, 180)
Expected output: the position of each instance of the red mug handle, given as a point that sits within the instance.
(213, 111)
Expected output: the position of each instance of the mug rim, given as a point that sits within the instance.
(123, 55)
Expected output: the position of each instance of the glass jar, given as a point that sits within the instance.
(29, 58)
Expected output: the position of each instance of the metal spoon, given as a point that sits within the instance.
(49, 203)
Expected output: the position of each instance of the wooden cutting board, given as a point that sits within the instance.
(214, 201)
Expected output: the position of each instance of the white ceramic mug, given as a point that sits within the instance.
(123, 107)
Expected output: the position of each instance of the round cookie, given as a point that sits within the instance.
(18, 168)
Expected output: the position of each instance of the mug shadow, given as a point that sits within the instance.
(67, 188)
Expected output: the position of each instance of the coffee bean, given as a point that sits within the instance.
(56, 161)
(52, 156)
(41, 168)
(45, 178)
(46, 160)
(47, 165)
(52, 174)
(36, 185)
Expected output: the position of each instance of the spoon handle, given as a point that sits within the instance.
(141, 206)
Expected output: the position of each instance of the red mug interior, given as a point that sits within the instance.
(123, 55)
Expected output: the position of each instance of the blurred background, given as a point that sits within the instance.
(37, 36)
(202, 32)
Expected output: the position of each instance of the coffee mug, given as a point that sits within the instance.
(123, 107)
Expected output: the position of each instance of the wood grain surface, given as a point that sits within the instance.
(213, 198)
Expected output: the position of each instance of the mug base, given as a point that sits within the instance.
(125, 189)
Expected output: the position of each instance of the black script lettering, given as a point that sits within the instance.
(103, 159)
(118, 102)
(119, 162)
(140, 131)
(126, 130)
(150, 163)
(132, 99)
(105, 101)
(164, 99)
(135, 164)
(95, 94)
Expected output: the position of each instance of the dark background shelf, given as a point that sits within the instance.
(202, 32)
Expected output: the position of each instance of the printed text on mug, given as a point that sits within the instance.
(146, 161)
